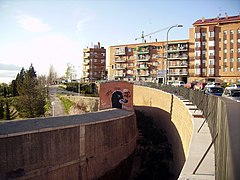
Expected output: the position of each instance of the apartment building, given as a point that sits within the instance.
(215, 49)
(94, 63)
(147, 61)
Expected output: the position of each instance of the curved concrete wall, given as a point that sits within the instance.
(171, 114)
(68, 147)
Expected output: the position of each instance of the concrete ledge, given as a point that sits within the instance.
(199, 144)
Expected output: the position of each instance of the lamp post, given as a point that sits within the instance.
(167, 69)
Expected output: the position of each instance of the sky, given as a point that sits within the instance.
(55, 32)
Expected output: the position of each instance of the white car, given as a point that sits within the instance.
(232, 93)
(178, 83)
(212, 84)
(233, 86)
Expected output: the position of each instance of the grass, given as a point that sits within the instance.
(67, 104)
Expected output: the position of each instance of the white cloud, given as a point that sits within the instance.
(33, 24)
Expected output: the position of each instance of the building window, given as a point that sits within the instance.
(225, 32)
(197, 53)
(211, 71)
(232, 60)
(211, 61)
(238, 40)
(225, 51)
(231, 32)
(102, 60)
(95, 60)
(238, 60)
(231, 41)
(225, 41)
(197, 62)
(211, 34)
(238, 31)
(224, 69)
(203, 70)
(231, 69)
(238, 50)
(211, 52)
(129, 50)
(197, 35)
(197, 44)
(225, 60)
(211, 43)
(197, 71)
(204, 45)
(232, 50)
(238, 69)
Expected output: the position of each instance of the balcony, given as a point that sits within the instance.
(178, 65)
(142, 68)
(177, 73)
(120, 67)
(120, 51)
(146, 51)
(86, 55)
(119, 75)
(119, 60)
(177, 49)
(143, 75)
(178, 57)
(143, 59)
(86, 62)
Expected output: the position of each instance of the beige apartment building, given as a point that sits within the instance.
(214, 50)
(147, 61)
(94, 63)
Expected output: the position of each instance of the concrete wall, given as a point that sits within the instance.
(91, 103)
(68, 147)
(169, 113)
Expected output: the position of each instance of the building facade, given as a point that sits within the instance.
(147, 61)
(94, 63)
(215, 50)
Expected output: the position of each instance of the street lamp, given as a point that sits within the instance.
(167, 69)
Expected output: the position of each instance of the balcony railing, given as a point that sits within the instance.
(120, 60)
(146, 51)
(142, 67)
(184, 73)
(86, 62)
(183, 65)
(143, 59)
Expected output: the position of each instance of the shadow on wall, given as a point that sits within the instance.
(162, 120)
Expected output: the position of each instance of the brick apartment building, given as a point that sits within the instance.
(94, 63)
(147, 61)
(215, 49)
(212, 53)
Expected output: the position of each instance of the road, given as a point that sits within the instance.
(57, 107)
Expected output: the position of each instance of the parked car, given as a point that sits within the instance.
(232, 93)
(178, 83)
(233, 86)
(217, 91)
(213, 84)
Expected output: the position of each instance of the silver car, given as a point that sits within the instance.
(232, 93)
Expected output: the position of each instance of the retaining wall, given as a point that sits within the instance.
(68, 147)
(168, 113)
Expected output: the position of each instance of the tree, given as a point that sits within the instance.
(70, 72)
(13, 88)
(7, 111)
(52, 75)
(1, 110)
(31, 99)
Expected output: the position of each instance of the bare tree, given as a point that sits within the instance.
(52, 75)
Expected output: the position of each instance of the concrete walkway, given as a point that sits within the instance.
(57, 108)
(199, 144)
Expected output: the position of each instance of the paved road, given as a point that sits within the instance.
(57, 107)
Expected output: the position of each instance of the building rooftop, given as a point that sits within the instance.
(225, 19)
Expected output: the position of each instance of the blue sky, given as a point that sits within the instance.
(45, 32)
